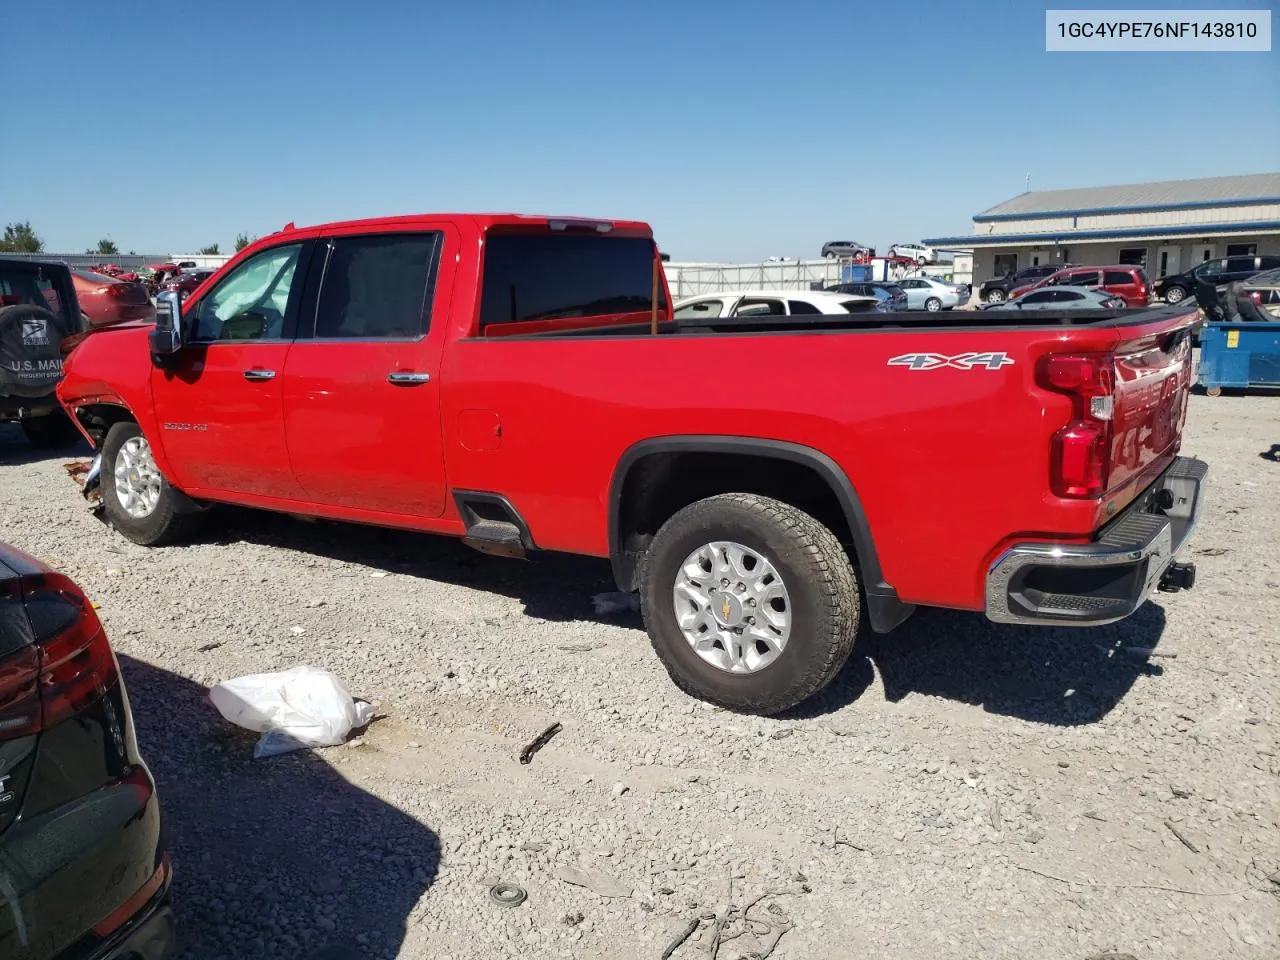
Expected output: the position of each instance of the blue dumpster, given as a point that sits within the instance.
(1239, 355)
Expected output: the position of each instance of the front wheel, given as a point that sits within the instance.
(933, 304)
(1174, 295)
(995, 296)
(749, 602)
(138, 500)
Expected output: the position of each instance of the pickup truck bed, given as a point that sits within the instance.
(762, 483)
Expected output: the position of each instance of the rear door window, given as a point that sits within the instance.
(799, 307)
(548, 276)
(377, 287)
(1117, 278)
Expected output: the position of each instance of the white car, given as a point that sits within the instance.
(914, 251)
(771, 303)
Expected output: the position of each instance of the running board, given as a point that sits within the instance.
(494, 526)
(496, 538)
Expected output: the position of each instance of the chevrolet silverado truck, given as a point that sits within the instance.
(770, 485)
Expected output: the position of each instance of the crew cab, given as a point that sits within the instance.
(767, 484)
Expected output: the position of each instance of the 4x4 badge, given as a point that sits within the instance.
(961, 361)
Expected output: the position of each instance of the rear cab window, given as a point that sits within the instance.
(534, 278)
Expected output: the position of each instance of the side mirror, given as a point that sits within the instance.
(166, 335)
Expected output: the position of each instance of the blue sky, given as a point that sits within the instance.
(738, 129)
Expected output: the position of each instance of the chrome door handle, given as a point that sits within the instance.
(256, 373)
(404, 379)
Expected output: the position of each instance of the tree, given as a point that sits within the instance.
(105, 248)
(20, 238)
(243, 240)
(210, 251)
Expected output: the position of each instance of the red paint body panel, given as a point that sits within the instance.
(949, 464)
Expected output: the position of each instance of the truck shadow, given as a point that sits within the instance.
(552, 586)
(1056, 676)
(279, 857)
(1060, 676)
(15, 451)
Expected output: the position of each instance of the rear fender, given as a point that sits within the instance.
(885, 609)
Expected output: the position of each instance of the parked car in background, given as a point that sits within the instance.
(1121, 280)
(997, 289)
(106, 300)
(891, 296)
(38, 313)
(1176, 287)
(835, 249)
(771, 303)
(1264, 290)
(914, 251)
(185, 283)
(1062, 298)
(928, 293)
(83, 870)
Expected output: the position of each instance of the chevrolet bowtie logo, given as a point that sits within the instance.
(725, 608)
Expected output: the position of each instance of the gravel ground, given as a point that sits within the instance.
(962, 791)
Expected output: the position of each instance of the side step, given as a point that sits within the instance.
(497, 538)
(494, 526)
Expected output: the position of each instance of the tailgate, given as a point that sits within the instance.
(1152, 384)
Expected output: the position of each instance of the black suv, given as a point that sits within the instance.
(997, 290)
(38, 311)
(1225, 270)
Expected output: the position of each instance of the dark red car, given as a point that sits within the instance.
(83, 869)
(1125, 281)
(185, 283)
(105, 300)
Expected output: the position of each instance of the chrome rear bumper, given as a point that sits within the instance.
(1107, 580)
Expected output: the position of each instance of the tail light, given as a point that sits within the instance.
(117, 290)
(67, 666)
(1080, 453)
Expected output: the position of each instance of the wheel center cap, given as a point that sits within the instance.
(727, 609)
(134, 479)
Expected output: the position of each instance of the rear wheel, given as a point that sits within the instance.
(933, 304)
(1175, 295)
(53, 431)
(137, 499)
(749, 602)
(995, 296)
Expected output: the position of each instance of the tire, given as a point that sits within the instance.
(167, 521)
(822, 602)
(995, 296)
(1175, 295)
(53, 431)
(829, 255)
(933, 304)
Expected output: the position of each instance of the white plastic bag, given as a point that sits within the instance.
(292, 709)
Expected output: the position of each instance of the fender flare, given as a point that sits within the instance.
(148, 427)
(885, 610)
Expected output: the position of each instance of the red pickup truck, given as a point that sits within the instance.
(768, 485)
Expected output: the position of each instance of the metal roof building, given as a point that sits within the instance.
(1166, 226)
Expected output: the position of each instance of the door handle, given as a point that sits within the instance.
(257, 373)
(403, 378)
